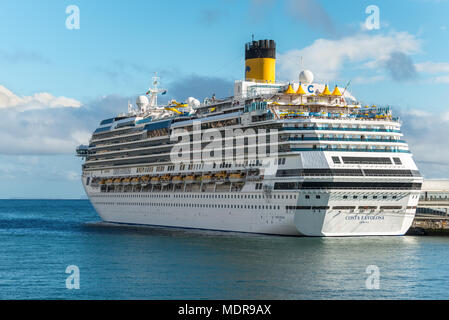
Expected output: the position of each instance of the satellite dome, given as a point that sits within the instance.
(142, 101)
(306, 76)
(193, 103)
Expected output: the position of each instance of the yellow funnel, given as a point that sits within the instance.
(260, 61)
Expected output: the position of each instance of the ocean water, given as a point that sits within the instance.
(40, 238)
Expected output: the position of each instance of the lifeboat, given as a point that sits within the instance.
(236, 177)
(109, 182)
(189, 179)
(176, 180)
(144, 180)
(220, 178)
(207, 179)
(165, 180)
(117, 182)
(102, 182)
(155, 180)
(126, 181)
(135, 181)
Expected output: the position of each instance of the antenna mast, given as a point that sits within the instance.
(154, 91)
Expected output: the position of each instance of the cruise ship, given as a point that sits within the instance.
(298, 158)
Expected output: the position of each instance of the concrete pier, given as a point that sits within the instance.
(428, 225)
(432, 213)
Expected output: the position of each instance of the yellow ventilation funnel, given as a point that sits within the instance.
(326, 91)
(336, 92)
(260, 61)
(300, 90)
(290, 90)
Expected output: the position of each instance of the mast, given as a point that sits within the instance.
(154, 91)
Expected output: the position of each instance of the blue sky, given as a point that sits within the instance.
(57, 84)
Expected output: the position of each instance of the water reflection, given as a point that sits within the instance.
(41, 238)
(204, 264)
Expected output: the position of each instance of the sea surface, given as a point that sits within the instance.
(39, 239)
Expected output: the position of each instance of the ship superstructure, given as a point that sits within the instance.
(295, 158)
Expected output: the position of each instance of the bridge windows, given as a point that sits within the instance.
(336, 160)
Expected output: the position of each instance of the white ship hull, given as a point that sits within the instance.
(162, 210)
(332, 224)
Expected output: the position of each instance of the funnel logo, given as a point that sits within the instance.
(248, 68)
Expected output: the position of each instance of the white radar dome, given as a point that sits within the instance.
(142, 101)
(306, 76)
(193, 103)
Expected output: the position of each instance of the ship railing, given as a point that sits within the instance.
(349, 150)
(336, 116)
(313, 128)
(343, 139)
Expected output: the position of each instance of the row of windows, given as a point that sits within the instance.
(366, 160)
(366, 197)
(281, 161)
(341, 128)
(199, 166)
(336, 160)
(195, 205)
(437, 211)
(205, 196)
(346, 185)
(261, 207)
(200, 196)
(345, 207)
(354, 197)
(429, 196)
(346, 172)
(306, 208)
(235, 196)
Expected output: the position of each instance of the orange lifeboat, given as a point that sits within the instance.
(236, 177)
(189, 179)
(176, 180)
(207, 179)
(220, 178)
(144, 180)
(165, 180)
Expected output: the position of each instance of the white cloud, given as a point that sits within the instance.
(365, 80)
(38, 101)
(425, 133)
(442, 79)
(440, 69)
(433, 67)
(73, 176)
(326, 58)
(312, 13)
(43, 124)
